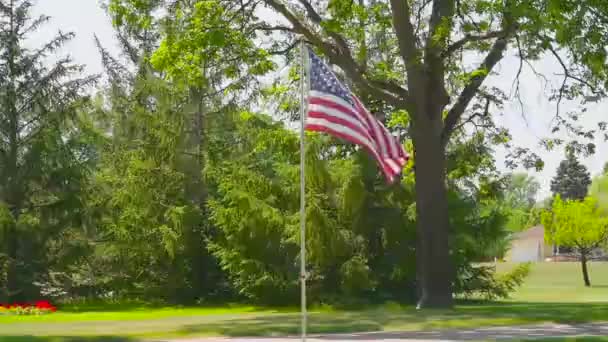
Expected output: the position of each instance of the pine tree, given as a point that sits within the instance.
(572, 179)
(41, 156)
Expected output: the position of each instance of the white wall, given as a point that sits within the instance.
(527, 251)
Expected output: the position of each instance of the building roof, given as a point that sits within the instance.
(534, 233)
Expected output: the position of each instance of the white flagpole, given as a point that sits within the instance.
(303, 105)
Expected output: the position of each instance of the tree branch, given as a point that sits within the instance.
(469, 91)
(517, 82)
(442, 9)
(485, 113)
(419, 18)
(286, 50)
(340, 55)
(567, 75)
(405, 31)
(469, 39)
(316, 18)
(312, 14)
(270, 28)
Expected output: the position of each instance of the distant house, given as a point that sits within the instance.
(530, 246)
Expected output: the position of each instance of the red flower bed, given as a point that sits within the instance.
(37, 308)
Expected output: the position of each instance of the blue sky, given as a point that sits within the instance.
(86, 18)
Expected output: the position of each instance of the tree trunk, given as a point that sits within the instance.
(584, 268)
(195, 190)
(12, 284)
(14, 194)
(434, 264)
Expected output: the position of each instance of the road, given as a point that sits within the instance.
(481, 334)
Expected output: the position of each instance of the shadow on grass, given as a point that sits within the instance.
(470, 315)
(283, 325)
(65, 339)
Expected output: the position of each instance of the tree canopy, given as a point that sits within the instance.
(579, 225)
(572, 179)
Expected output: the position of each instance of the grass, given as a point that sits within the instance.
(552, 293)
(562, 282)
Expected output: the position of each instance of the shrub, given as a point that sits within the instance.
(481, 281)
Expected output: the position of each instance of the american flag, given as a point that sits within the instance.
(333, 109)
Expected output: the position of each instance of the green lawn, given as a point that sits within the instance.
(552, 293)
(563, 282)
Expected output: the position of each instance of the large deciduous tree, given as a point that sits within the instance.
(408, 55)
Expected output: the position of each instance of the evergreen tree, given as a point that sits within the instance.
(143, 178)
(572, 179)
(43, 157)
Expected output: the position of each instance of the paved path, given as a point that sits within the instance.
(481, 334)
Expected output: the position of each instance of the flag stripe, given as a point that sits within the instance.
(357, 138)
(334, 99)
(336, 115)
(373, 124)
(340, 132)
(339, 121)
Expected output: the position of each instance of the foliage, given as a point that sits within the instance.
(257, 197)
(599, 191)
(481, 281)
(357, 244)
(576, 224)
(209, 44)
(521, 190)
(520, 198)
(572, 179)
(46, 151)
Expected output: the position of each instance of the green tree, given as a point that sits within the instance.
(44, 155)
(605, 170)
(578, 224)
(520, 198)
(406, 55)
(599, 191)
(149, 180)
(360, 232)
(521, 190)
(572, 179)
